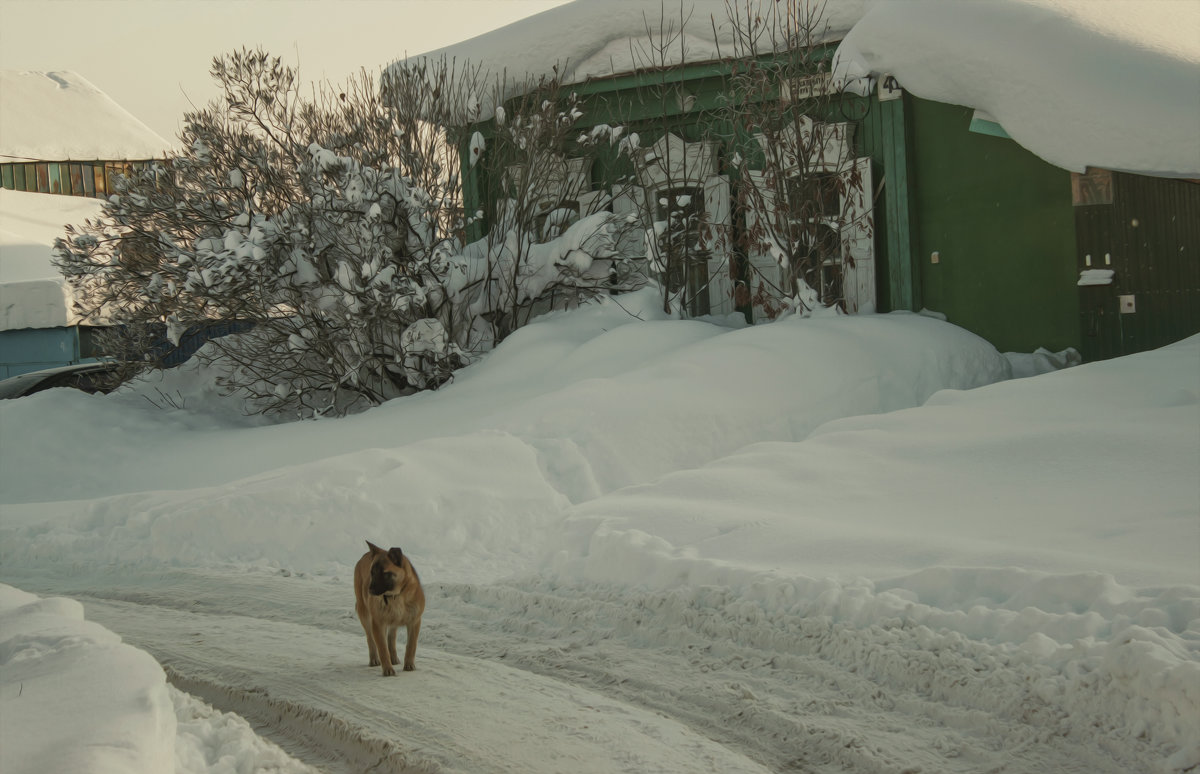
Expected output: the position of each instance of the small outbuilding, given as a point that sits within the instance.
(62, 142)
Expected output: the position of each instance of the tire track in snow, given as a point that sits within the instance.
(802, 694)
(454, 714)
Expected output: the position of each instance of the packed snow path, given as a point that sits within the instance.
(523, 676)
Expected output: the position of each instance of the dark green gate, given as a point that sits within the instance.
(1146, 231)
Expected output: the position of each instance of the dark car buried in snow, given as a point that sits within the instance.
(90, 377)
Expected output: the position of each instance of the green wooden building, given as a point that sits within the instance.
(964, 221)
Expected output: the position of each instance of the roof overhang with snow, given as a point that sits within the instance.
(1079, 83)
(586, 40)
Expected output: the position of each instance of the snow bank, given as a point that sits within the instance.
(1042, 361)
(73, 697)
(213, 742)
(56, 116)
(964, 464)
(1079, 83)
(872, 487)
(1055, 517)
(476, 475)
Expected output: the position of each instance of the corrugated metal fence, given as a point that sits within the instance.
(1147, 231)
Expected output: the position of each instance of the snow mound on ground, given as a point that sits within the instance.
(213, 742)
(1041, 361)
(1026, 548)
(470, 480)
(924, 517)
(73, 697)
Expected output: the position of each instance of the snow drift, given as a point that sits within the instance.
(869, 491)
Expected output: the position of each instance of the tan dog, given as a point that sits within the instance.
(388, 595)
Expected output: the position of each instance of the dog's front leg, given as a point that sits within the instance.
(365, 620)
(410, 647)
(380, 644)
(391, 635)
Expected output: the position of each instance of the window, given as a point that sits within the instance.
(686, 261)
(814, 195)
(814, 205)
(824, 265)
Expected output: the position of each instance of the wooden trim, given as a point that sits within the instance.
(904, 286)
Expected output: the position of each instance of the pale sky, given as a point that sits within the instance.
(153, 56)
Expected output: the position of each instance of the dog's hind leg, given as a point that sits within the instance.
(410, 647)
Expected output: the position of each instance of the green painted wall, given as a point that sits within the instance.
(1000, 219)
(882, 133)
(1003, 226)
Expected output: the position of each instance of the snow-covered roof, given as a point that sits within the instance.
(599, 38)
(32, 292)
(1080, 83)
(55, 116)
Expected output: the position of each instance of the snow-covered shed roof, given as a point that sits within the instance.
(1080, 83)
(600, 38)
(32, 292)
(60, 116)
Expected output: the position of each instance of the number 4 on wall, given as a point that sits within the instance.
(889, 88)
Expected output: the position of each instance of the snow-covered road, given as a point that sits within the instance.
(525, 676)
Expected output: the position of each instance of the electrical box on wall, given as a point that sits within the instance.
(1126, 304)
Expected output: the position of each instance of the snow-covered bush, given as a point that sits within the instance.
(334, 225)
(804, 199)
(553, 240)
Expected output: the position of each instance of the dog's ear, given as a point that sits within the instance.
(374, 549)
(396, 556)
